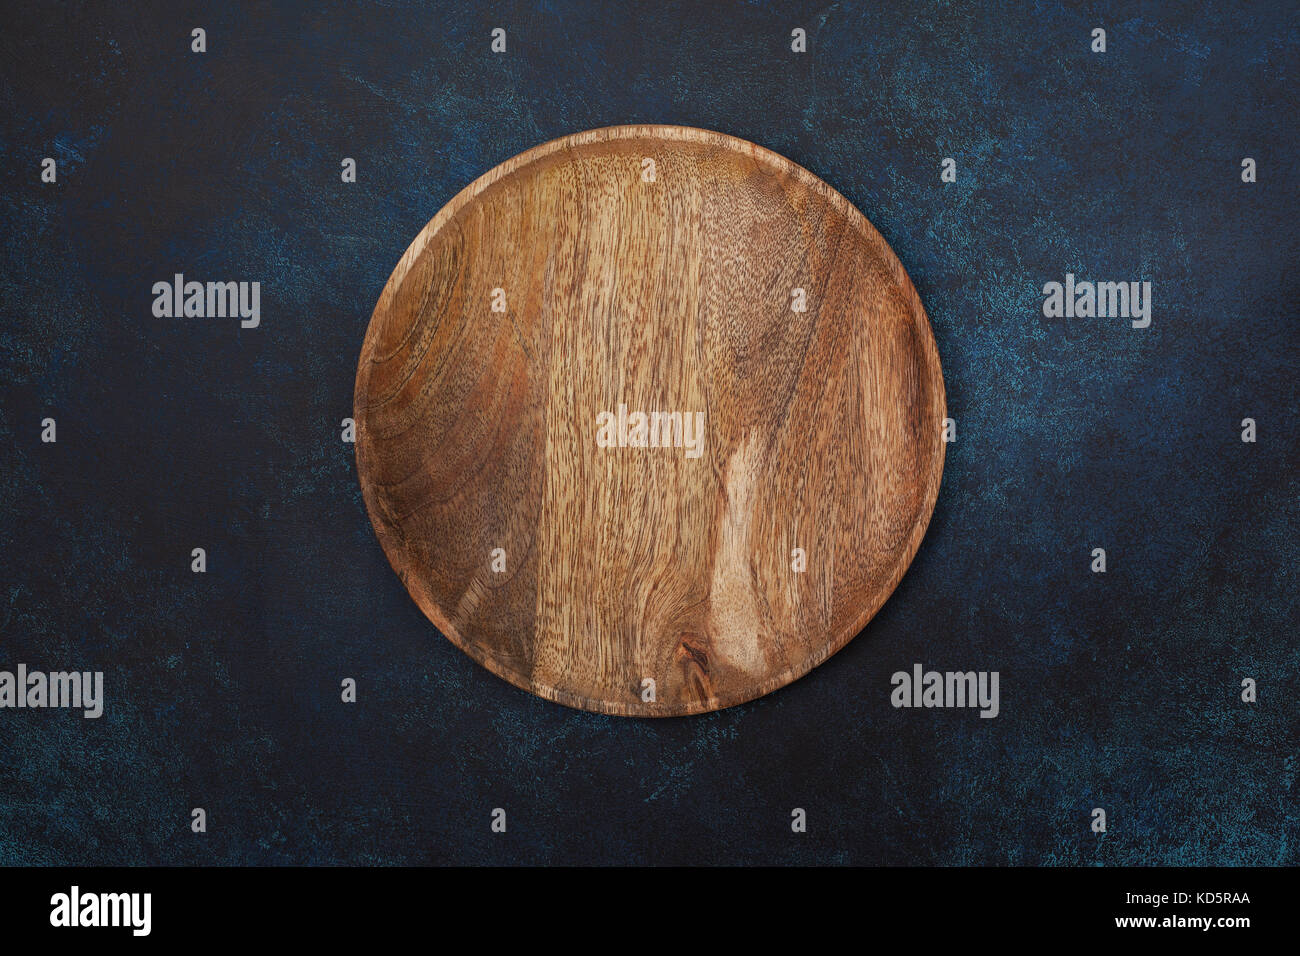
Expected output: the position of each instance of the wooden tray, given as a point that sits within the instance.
(649, 566)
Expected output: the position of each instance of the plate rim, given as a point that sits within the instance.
(929, 350)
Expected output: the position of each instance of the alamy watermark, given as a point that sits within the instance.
(181, 299)
(624, 429)
(922, 688)
(1103, 300)
(82, 690)
(75, 908)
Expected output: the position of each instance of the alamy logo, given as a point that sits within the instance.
(75, 908)
(36, 689)
(949, 689)
(1104, 300)
(623, 429)
(181, 299)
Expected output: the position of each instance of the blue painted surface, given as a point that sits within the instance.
(1118, 690)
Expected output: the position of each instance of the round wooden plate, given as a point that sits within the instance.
(648, 420)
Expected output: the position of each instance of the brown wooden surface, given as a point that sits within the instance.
(477, 430)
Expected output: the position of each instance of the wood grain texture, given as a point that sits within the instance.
(478, 430)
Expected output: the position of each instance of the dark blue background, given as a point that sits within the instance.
(1118, 690)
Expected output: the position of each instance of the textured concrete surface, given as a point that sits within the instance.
(1118, 690)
